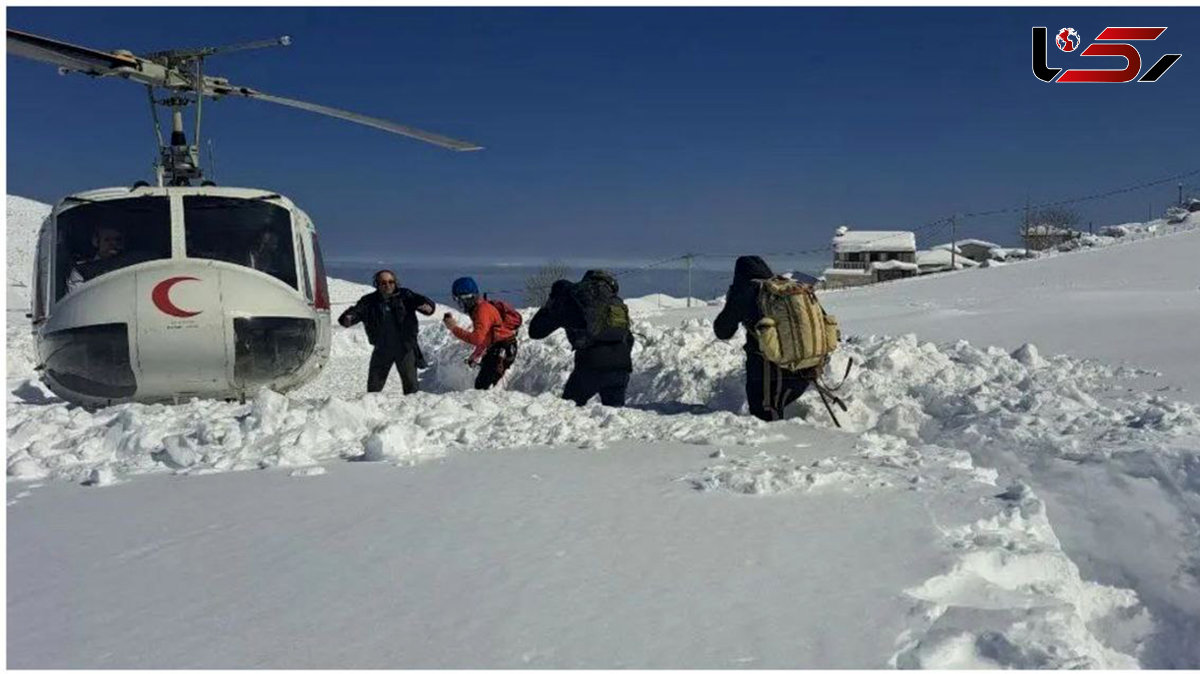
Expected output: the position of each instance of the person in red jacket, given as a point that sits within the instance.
(493, 335)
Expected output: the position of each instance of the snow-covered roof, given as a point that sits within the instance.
(965, 242)
(862, 241)
(941, 257)
(977, 242)
(893, 264)
(838, 271)
(947, 246)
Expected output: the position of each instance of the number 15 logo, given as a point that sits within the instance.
(1130, 53)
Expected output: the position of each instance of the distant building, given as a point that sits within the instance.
(1046, 237)
(862, 257)
(940, 259)
(974, 249)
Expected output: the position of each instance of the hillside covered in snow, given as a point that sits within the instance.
(1016, 484)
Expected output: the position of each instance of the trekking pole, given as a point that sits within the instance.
(845, 375)
(828, 407)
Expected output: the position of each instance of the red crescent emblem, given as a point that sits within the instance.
(161, 295)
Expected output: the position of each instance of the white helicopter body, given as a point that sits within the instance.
(177, 320)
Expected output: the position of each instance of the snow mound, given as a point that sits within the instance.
(677, 367)
(70, 443)
(1014, 600)
(344, 293)
(656, 302)
(23, 218)
(687, 387)
(966, 396)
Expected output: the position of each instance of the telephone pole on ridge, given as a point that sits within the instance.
(953, 242)
(689, 257)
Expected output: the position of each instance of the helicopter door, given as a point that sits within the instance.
(41, 275)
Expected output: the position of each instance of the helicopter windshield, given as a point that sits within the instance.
(99, 237)
(248, 232)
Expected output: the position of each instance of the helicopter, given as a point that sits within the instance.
(181, 289)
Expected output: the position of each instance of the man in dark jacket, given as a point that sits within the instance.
(389, 316)
(769, 389)
(602, 360)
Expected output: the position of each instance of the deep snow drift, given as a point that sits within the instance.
(984, 506)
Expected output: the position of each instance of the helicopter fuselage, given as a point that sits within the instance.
(161, 294)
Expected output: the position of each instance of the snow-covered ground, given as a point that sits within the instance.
(1021, 491)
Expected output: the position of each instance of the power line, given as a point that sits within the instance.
(1090, 197)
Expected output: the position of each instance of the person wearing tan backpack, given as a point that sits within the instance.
(788, 336)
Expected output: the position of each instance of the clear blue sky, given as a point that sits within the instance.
(630, 132)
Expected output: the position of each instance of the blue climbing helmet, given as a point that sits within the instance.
(464, 286)
(465, 290)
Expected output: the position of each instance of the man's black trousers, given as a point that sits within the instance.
(769, 391)
(382, 361)
(585, 383)
(495, 362)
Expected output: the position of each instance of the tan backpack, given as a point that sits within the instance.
(794, 333)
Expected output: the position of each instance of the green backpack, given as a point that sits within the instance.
(605, 316)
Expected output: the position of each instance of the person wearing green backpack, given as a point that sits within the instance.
(597, 324)
(788, 336)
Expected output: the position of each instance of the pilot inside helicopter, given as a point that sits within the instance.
(109, 245)
(96, 238)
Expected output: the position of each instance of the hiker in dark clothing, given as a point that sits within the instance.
(769, 389)
(389, 316)
(602, 351)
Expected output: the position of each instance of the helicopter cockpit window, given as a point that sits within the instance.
(248, 232)
(100, 237)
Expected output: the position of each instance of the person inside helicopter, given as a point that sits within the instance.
(264, 255)
(109, 244)
(95, 238)
(244, 232)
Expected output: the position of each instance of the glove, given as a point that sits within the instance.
(471, 363)
(448, 320)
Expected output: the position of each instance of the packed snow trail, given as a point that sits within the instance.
(545, 557)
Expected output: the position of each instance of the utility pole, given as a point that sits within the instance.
(1025, 224)
(688, 257)
(953, 242)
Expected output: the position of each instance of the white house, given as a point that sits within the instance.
(862, 257)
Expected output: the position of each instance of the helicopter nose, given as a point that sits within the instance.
(181, 334)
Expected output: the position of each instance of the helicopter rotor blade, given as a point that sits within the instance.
(161, 72)
(66, 55)
(95, 62)
(217, 89)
